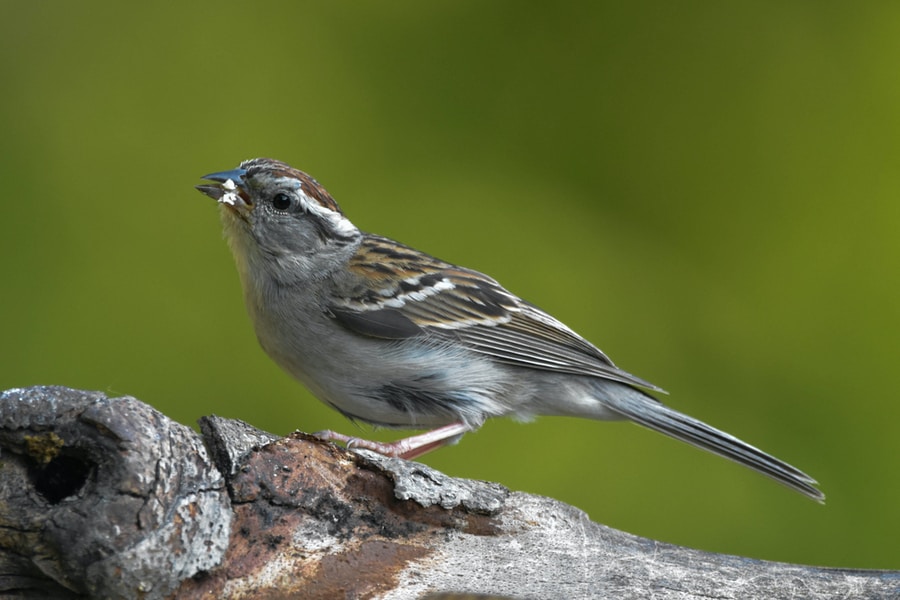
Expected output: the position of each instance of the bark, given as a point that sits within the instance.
(106, 497)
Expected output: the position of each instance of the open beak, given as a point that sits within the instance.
(229, 189)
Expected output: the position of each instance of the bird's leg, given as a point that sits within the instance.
(408, 448)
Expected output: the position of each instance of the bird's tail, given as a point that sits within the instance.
(647, 411)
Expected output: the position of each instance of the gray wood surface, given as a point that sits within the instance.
(106, 497)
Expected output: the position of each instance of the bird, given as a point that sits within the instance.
(394, 337)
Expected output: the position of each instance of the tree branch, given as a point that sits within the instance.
(106, 497)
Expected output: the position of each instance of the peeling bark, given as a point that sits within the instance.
(106, 497)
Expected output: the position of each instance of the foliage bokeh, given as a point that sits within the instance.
(708, 191)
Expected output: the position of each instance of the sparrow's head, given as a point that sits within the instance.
(279, 220)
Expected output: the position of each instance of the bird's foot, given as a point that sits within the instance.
(408, 448)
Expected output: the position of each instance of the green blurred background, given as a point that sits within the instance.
(708, 191)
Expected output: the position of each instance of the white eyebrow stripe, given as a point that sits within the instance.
(336, 220)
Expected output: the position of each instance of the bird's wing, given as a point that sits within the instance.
(421, 295)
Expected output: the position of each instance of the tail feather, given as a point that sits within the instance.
(647, 411)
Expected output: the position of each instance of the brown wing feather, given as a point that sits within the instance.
(420, 294)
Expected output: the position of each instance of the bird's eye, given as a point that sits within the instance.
(281, 201)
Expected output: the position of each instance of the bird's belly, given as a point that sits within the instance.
(394, 383)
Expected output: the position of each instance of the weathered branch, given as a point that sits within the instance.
(106, 497)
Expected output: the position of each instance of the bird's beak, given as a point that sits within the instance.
(229, 189)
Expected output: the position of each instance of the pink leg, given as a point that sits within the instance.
(408, 448)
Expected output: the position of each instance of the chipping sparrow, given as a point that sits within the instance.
(391, 336)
